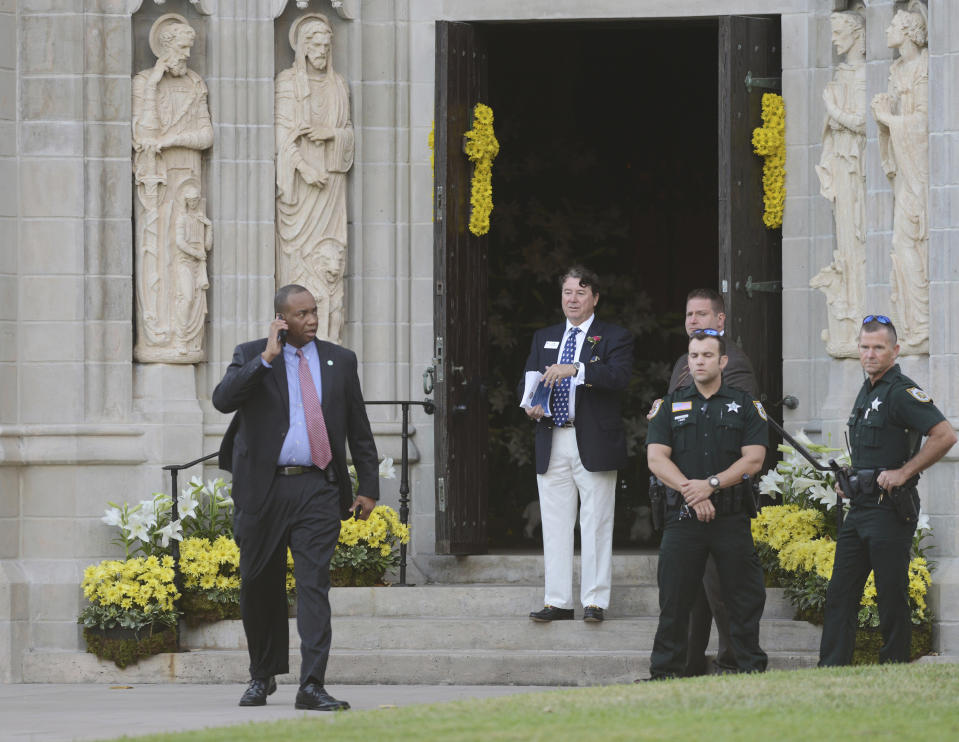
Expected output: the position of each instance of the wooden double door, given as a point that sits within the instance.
(749, 255)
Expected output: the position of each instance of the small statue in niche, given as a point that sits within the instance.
(171, 128)
(194, 238)
(902, 114)
(842, 177)
(314, 153)
(329, 265)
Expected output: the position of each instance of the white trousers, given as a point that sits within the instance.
(558, 489)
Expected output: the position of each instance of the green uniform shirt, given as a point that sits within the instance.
(707, 435)
(888, 420)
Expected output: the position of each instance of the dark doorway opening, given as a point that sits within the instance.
(608, 157)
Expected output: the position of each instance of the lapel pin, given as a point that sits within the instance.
(329, 363)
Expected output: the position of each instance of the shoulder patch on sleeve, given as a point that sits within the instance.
(760, 409)
(656, 405)
(918, 394)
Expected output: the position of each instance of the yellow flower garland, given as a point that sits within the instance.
(769, 140)
(481, 148)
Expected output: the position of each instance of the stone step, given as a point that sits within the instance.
(492, 600)
(506, 634)
(393, 667)
(526, 569)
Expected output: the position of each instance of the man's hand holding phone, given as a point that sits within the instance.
(275, 339)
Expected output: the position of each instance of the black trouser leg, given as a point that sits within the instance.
(682, 557)
(890, 543)
(265, 617)
(850, 571)
(708, 606)
(741, 581)
(700, 621)
(313, 537)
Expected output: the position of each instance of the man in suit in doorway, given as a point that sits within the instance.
(297, 402)
(580, 443)
(706, 310)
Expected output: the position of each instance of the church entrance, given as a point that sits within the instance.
(609, 157)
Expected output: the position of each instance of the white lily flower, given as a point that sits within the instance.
(145, 516)
(826, 495)
(139, 530)
(187, 504)
(770, 482)
(196, 482)
(801, 484)
(171, 530)
(113, 517)
(923, 524)
(387, 470)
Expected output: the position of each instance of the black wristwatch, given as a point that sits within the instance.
(576, 367)
(714, 483)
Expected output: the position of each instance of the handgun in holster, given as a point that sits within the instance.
(657, 501)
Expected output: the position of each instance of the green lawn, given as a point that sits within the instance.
(906, 702)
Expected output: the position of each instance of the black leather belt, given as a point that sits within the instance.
(292, 471)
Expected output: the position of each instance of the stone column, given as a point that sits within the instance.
(942, 482)
(240, 79)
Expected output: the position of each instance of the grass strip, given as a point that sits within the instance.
(893, 702)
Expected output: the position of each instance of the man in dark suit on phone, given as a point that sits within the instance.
(580, 444)
(297, 403)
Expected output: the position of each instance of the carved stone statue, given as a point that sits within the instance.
(194, 238)
(842, 177)
(171, 128)
(314, 152)
(903, 118)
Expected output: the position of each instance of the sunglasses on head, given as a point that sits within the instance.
(707, 331)
(880, 318)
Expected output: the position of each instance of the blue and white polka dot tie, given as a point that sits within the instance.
(561, 390)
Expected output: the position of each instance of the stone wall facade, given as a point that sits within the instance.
(82, 423)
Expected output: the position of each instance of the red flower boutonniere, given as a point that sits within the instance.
(593, 339)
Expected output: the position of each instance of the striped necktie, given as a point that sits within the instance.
(313, 412)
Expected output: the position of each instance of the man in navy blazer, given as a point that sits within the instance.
(580, 444)
(282, 497)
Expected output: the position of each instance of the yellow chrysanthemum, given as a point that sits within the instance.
(481, 148)
(769, 140)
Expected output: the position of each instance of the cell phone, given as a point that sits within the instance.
(357, 512)
(282, 333)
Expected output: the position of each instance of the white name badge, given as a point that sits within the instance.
(551, 344)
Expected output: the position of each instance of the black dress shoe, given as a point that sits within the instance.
(258, 690)
(314, 697)
(552, 614)
(593, 614)
(655, 678)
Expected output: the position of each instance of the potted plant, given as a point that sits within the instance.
(796, 543)
(366, 549)
(132, 612)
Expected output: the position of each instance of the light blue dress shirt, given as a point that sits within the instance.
(296, 445)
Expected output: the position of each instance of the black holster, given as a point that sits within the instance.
(657, 501)
(905, 500)
(740, 498)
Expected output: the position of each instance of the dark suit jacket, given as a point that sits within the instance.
(738, 372)
(261, 399)
(598, 417)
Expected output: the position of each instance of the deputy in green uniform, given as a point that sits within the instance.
(704, 441)
(889, 418)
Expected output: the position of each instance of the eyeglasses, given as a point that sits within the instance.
(707, 331)
(880, 318)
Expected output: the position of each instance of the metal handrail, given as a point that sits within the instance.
(428, 407)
